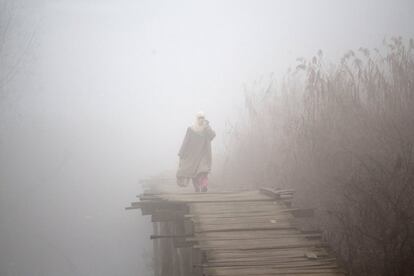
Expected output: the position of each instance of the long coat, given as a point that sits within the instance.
(195, 153)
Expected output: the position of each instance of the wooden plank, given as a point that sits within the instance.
(150, 207)
(131, 208)
(238, 234)
(167, 215)
(154, 237)
(301, 213)
(277, 194)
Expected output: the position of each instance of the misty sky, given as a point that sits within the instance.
(95, 95)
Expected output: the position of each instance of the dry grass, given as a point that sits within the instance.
(343, 137)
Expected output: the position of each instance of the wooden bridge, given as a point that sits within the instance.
(233, 234)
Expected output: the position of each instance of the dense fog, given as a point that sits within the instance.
(95, 95)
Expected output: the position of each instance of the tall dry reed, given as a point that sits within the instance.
(342, 135)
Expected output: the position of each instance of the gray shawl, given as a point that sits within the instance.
(195, 153)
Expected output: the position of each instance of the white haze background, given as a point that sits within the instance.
(95, 95)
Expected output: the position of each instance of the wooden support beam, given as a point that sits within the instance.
(167, 215)
(182, 243)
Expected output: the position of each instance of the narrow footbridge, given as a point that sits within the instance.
(233, 234)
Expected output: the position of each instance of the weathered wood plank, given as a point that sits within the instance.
(235, 234)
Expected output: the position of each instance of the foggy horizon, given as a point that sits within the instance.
(96, 95)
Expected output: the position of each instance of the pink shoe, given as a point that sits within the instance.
(204, 184)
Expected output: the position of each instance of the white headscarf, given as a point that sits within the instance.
(196, 127)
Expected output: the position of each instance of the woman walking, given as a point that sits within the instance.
(195, 155)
